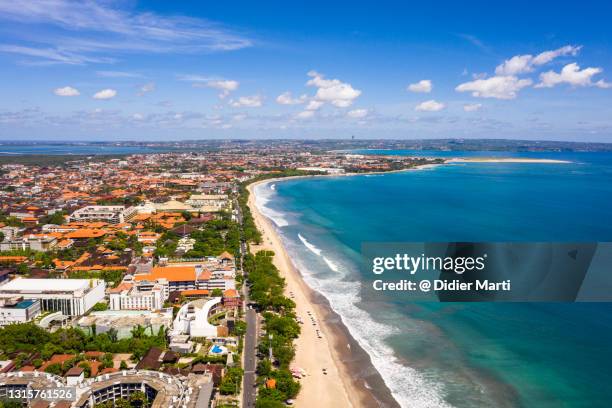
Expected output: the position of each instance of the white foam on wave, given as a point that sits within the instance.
(273, 187)
(409, 387)
(310, 246)
(331, 264)
(263, 195)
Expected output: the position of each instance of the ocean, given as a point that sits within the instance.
(13, 149)
(459, 354)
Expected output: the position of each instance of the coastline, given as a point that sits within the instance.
(348, 366)
(504, 160)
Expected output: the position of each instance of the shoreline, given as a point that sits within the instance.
(349, 367)
(354, 381)
(504, 160)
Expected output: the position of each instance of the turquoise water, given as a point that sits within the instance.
(464, 355)
(73, 149)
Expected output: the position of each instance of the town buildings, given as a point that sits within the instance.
(72, 297)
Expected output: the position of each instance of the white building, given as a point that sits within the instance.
(185, 244)
(18, 310)
(39, 243)
(134, 296)
(328, 170)
(10, 233)
(113, 214)
(73, 297)
(192, 319)
(210, 202)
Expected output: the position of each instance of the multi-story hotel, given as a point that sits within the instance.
(113, 214)
(134, 296)
(72, 297)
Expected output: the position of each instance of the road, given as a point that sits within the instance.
(250, 360)
(249, 390)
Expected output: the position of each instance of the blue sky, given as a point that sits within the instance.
(159, 70)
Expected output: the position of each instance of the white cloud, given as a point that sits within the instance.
(314, 105)
(334, 91)
(305, 114)
(499, 87)
(254, 101)
(66, 91)
(105, 94)
(430, 106)
(572, 74)
(83, 30)
(224, 85)
(287, 99)
(357, 113)
(472, 107)
(423, 86)
(117, 74)
(138, 116)
(520, 64)
(146, 88)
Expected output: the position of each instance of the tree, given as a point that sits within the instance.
(264, 368)
(138, 331)
(112, 334)
(231, 381)
(268, 403)
(100, 307)
(123, 365)
(22, 269)
(55, 368)
(216, 292)
(87, 368)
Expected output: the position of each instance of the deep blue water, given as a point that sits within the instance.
(466, 355)
(75, 149)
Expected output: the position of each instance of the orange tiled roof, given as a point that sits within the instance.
(173, 274)
(230, 293)
(195, 292)
(13, 258)
(85, 233)
(121, 287)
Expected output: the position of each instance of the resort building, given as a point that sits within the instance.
(185, 277)
(192, 319)
(18, 310)
(123, 321)
(39, 243)
(208, 202)
(72, 297)
(137, 296)
(161, 390)
(113, 214)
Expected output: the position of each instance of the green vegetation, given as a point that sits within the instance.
(29, 338)
(213, 238)
(99, 307)
(266, 286)
(216, 237)
(56, 218)
(7, 403)
(112, 277)
(230, 385)
(11, 221)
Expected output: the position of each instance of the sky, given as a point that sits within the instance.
(160, 70)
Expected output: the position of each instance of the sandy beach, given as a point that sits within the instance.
(335, 351)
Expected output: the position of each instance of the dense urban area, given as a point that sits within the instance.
(135, 281)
